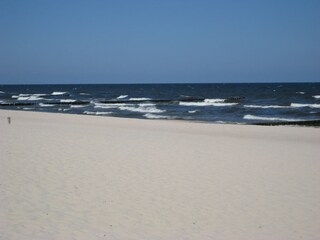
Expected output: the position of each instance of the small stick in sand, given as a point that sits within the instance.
(9, 120)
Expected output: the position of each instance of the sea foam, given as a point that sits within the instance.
(266, 106)
(30, 98)
(218, 102)
(96, 113)
(67, 100)
(298, 105)
(192, 111)
(109, 105)
(46, 105)
(78, 106)
(155, 116)
(253, 117)
(122, 96)
(58, 93)
(142, 109)
(139, 99)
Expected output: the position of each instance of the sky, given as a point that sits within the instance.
(159, 41)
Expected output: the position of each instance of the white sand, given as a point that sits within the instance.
(87, 177)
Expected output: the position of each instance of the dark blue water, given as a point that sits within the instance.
(231, 103)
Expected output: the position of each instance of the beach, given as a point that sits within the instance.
(68, 176)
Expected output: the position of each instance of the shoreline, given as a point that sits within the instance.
(69, 176)
(303, 123)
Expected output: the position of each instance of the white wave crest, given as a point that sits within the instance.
(122, 96)
(84, 94)
(192, 111)
(266, 106)
(2, 92)
(67, 100)
(139, 99)
(253, 117)
(141, 109)
(103, 113)
(39, 94)
(298, 105)
(301, 92)
(46, 105)
(30, 98)
(96, 113)
(208, 102)
(155, 116)
(58, 93)
(25, 96)
(316, 96)
(214, 100)
(220, 122)
(109, 105)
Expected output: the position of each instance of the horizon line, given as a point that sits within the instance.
(160, 83)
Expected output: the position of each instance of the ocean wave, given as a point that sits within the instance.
(266, 106)
(122, 96)
(146, 104)
(155, 116)
(26, 96)
(192, 111)
(139, 99)
(253, 117)
(46, 105)
(208, 102)
(39, 94)
(67, 100)
(109, 105)
(220, 122)
(86, 94)
(96, 113)
(78, 106)
(103, 113)
(300, 92)
(20, 95)
(298, 105)
(58, 93)
(64, 109)
(141, 109)
(2, 92)
(316, 96)
(214, 100)
(30, 98)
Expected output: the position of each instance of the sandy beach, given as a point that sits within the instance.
(66, 176)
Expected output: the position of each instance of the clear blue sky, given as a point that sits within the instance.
(159, 41)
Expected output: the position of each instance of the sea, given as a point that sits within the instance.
(240, 103)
